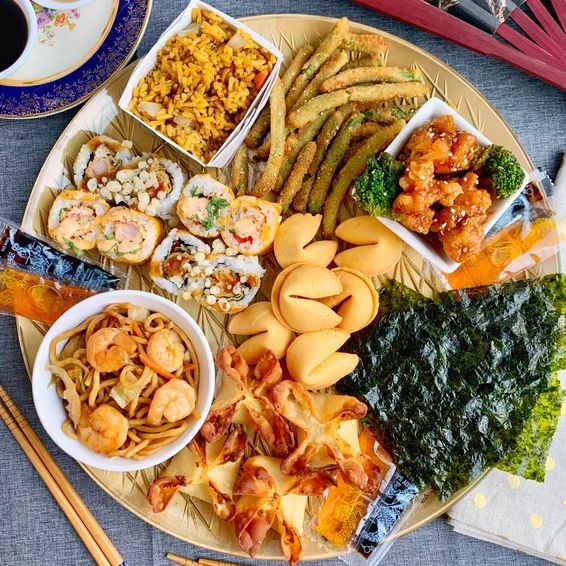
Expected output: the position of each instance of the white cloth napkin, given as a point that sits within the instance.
(521, 514)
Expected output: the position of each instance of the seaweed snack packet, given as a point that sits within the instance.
(40, 282)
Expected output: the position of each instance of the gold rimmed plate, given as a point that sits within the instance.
(187, 518)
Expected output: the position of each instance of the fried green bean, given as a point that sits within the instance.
(277, 119)
(258, 130)
(240, 171)
(295, 142)
(351, 77)
(262, 152)
(302, 56)
(367, 43)
(365, 130)
(327, 71)
(323, 141)
(368, 61)
(387, 115)
(328, 45)
(354, 167)
(295, 179)
(373, 93)
(331, 161)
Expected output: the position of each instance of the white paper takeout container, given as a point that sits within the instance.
(235, 139)
(434, 108)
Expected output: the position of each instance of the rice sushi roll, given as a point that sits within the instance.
(128, 236)
(177, 263)
(151, 184)
(204, 206)
(73, 220)
(251, 225)
(99, 160)
(230, 283)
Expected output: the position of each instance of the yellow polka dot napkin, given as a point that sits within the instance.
(521, 514)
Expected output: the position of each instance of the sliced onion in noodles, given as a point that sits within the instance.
(129, 387)
(137, 313)
(70, 393)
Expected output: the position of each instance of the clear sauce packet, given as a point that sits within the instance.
(40, 282)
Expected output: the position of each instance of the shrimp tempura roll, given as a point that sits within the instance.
(128, 236)
(74, 219)
(99, 160)
(252, 225)
(230, 283)
(204, 206)
(177, 261)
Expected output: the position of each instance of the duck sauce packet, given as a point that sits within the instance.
(40, 282)
(351, 520)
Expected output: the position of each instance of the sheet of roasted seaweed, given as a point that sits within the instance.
(453, 384)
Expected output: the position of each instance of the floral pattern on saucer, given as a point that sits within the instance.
(69, 90)
(48, 20)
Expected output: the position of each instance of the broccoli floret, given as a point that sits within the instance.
(502, 169)
(376, 188)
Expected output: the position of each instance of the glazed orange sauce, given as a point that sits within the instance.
(35, 297)
(510, 252)
(346, 505)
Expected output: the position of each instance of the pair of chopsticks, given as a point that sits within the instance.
(201, 562)
(88, 529)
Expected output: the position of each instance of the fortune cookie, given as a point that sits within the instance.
(295, 297)
(265, 331)
(358, 302)
(291, 243)
(313, 359)
(376, 249)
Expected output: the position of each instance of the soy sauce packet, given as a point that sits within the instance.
(40, 282)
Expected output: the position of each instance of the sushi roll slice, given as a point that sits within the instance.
(230, 283)
(98, 161)
(151, 184)
(176, 264)
(128, 236)
(73, 220)
(251, 225)
(204, 206)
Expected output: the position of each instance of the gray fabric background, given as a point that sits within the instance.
(33, 530)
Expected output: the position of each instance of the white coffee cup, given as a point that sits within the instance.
(31, 21)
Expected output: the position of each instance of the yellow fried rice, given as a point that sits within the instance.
(201, 87)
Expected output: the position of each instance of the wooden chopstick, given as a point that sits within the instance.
(90, 532)
(201, 562)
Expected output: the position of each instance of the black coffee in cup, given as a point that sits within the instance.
(13, 33)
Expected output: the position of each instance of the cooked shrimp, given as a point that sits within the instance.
(166, 349)
(103, 430)
(109, 349)
(173, 401)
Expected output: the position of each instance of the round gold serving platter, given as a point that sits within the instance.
(186, 518)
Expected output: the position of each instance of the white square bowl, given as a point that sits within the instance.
(228, 148)
(434, 108)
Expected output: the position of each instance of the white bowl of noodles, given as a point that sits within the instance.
(118, 412)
